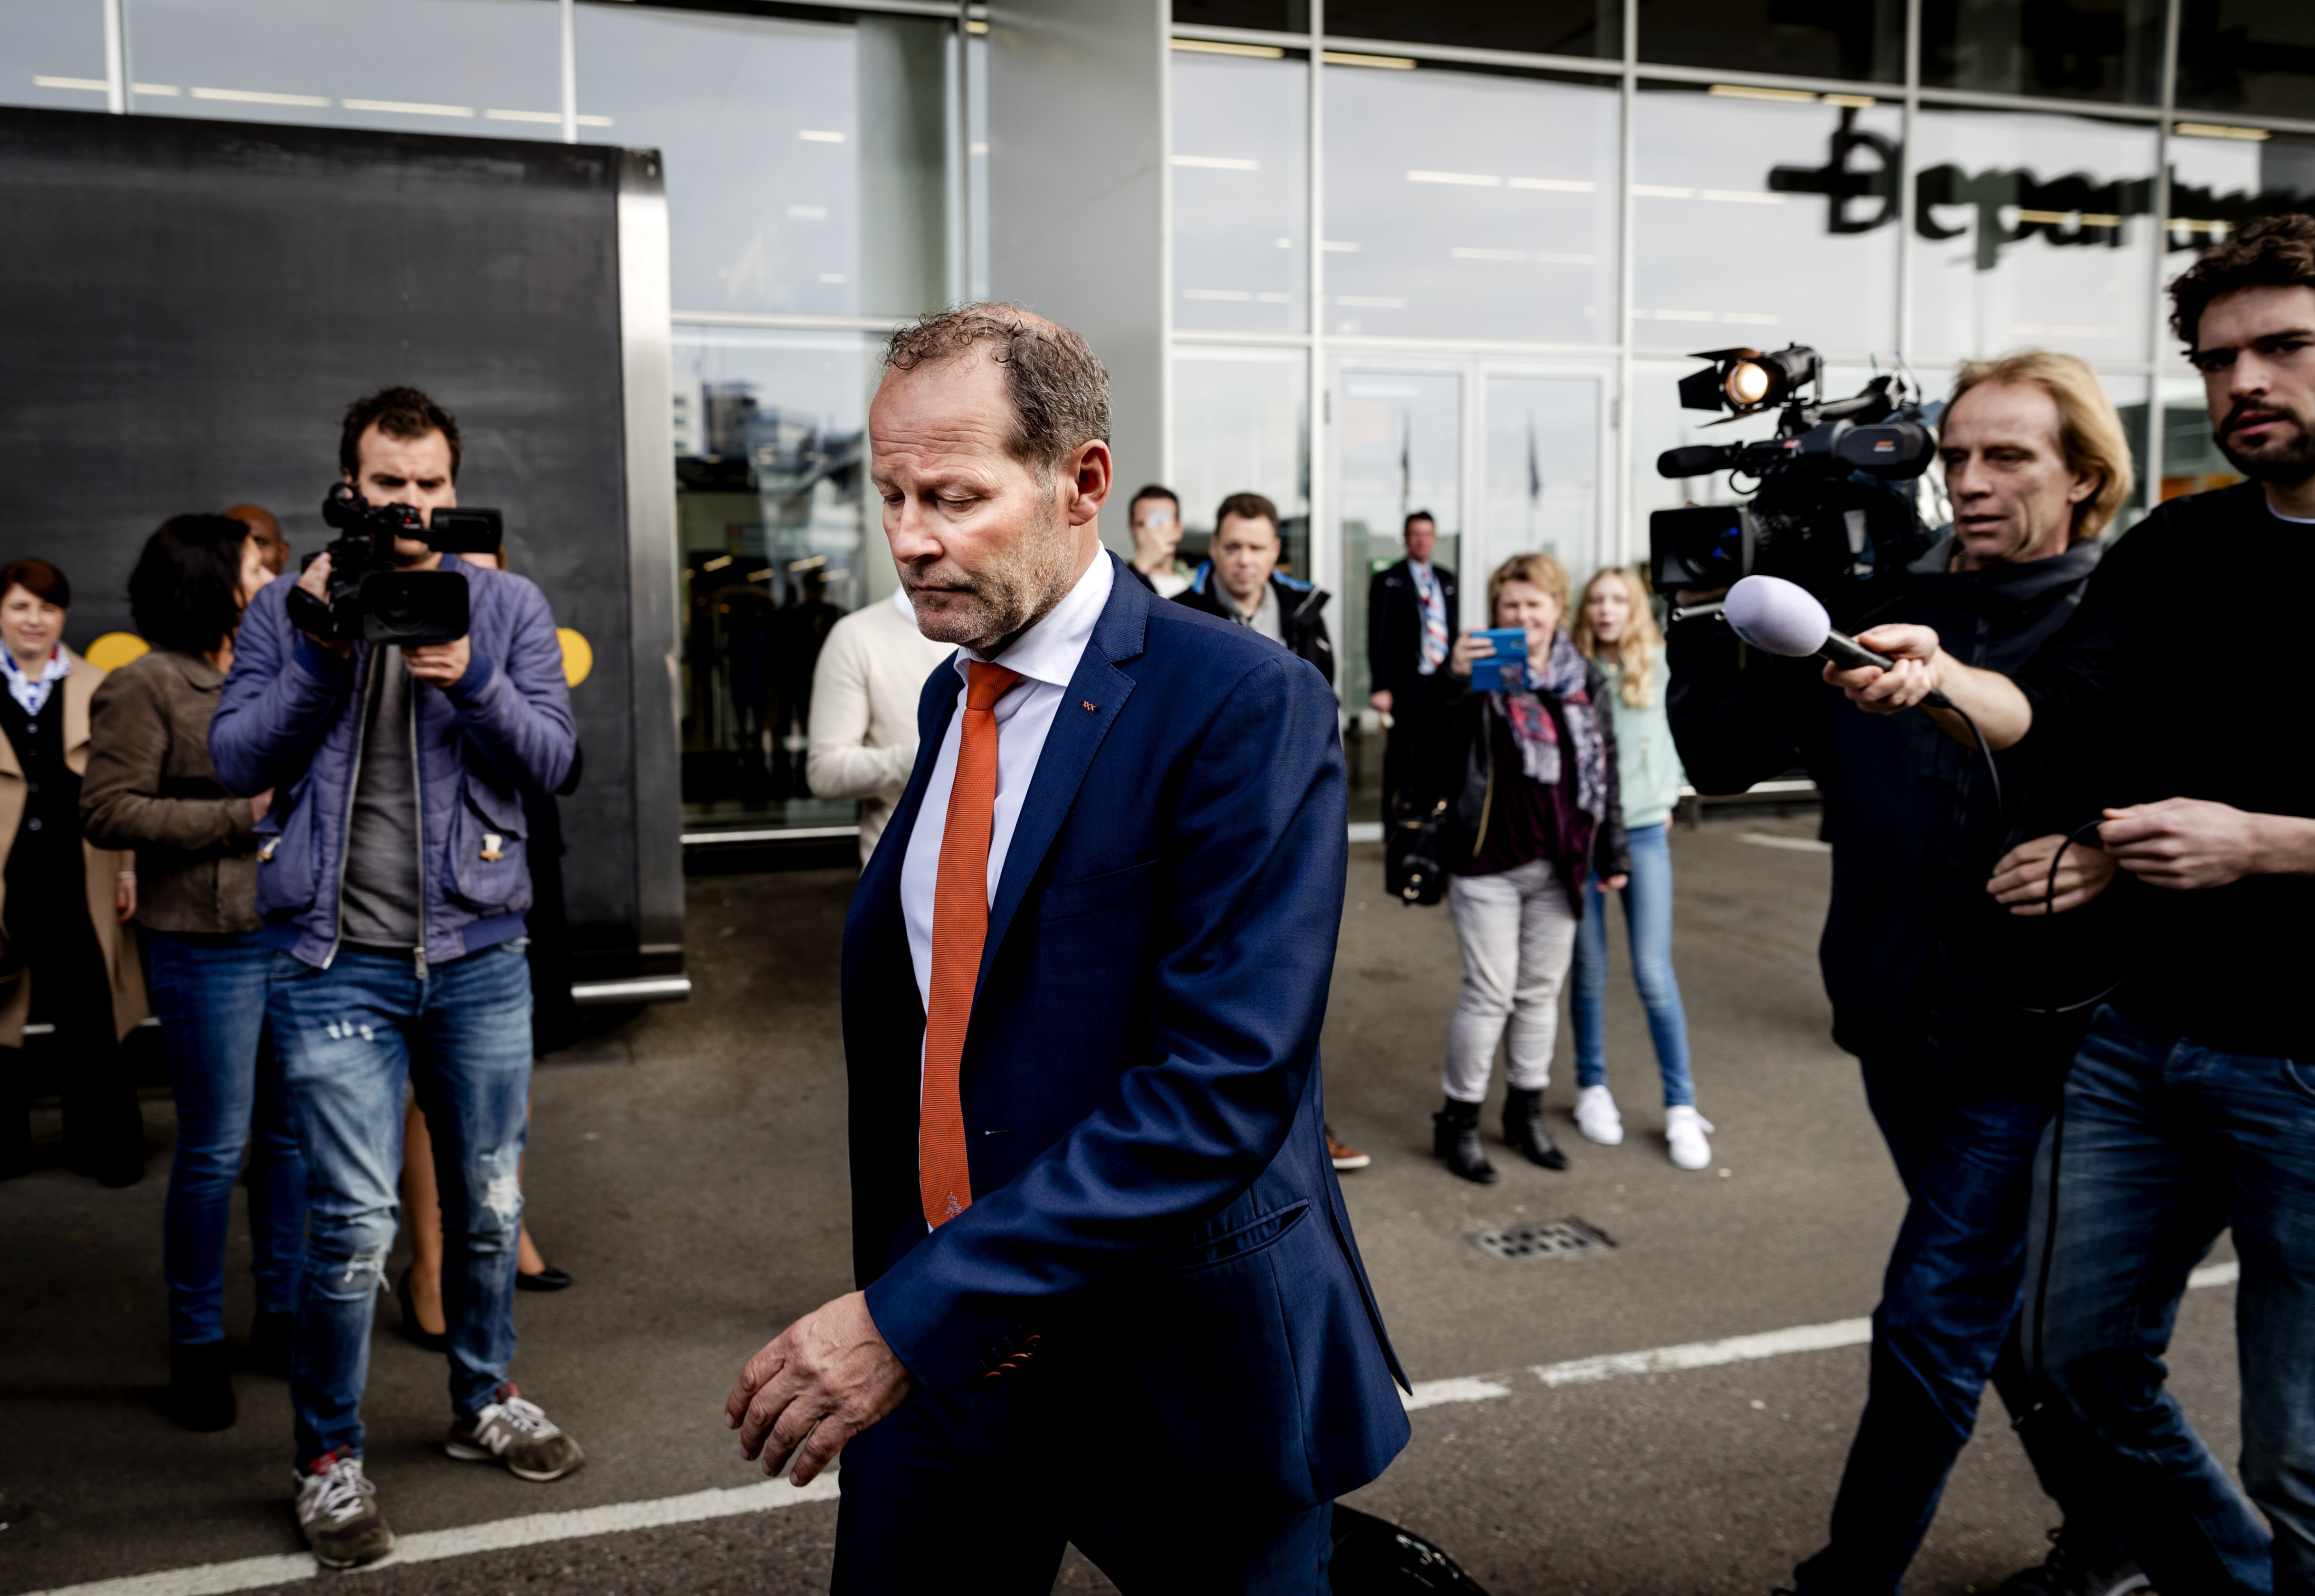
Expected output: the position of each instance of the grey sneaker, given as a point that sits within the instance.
(515, 1432)
(337, 1508)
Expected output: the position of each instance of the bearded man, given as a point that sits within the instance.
(1109, 1292)
(2189, 1107)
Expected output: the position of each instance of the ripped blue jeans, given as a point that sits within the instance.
(350, 1037)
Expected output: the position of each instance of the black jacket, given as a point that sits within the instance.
(1394, 626)
(1457, 761)
(1913, 947)
(1301, 614)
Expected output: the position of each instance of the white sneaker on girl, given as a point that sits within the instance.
(1684, 1129)
(1596, 1116)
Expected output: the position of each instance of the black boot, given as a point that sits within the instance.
(200, 1386)
(269, 1344)
(1455, 1137)
(1523, 1128)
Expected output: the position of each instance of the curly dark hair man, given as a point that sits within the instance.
(2186, 1111)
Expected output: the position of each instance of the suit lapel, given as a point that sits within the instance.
(1096, 692)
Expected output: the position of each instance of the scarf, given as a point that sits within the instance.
(32, 691)
(1561, 677)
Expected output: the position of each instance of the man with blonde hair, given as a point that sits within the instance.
(1918, 958)
(2187, 1107)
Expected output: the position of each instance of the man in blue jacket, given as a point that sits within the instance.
(392, 876)
(1110, 1292)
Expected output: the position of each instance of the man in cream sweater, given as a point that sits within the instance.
(863, 709)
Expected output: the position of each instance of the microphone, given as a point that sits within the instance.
(1781, 618)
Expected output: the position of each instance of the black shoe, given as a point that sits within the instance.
(412, 1331)
(549, 1279)
(1455, 1137)
(200, 1386)
(2078, 1565)
(1523, 1128)
(269, 1344)
(114, 1169)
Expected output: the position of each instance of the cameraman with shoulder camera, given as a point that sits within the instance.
(1960, 1082)
(2191, 1106)
(392, 877)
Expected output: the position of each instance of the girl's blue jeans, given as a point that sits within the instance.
(1647, 915)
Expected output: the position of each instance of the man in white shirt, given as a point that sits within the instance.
(865, 690)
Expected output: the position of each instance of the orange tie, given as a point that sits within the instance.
(959, 928)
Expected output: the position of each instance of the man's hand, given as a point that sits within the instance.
(2021, 877)
(442, 664)
(2190, 844)
(316, 580)
(1381, 700)
(1919, 664)
(259, 805)
(1617, 883)
(826, 1378)
(124, 896)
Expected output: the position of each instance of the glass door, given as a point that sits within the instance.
(1398, 439)
(1540, 477)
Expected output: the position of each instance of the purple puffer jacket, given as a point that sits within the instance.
(290, 718)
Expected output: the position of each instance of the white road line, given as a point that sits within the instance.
(249, 1574)
(1695, 1354)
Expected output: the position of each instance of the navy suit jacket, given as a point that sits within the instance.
(1156, 1228)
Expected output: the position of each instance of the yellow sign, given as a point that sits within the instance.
(115, 649)
(578, 655)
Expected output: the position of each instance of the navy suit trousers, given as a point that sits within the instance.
(988, 1503)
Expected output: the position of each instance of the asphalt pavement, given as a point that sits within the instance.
(687, 1167)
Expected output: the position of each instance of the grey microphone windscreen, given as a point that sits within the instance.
(1776, 616)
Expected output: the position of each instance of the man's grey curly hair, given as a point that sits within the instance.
(1060, 391)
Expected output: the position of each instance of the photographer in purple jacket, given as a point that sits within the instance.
(392, 879)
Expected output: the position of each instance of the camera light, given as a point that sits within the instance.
(1748, 383)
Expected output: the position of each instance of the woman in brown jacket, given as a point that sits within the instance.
(150, 786)
(66, 960)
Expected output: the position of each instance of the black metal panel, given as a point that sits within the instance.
(187, 307)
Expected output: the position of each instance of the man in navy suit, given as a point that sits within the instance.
(1110, 1295)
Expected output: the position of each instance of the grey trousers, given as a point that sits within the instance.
(1518, 933)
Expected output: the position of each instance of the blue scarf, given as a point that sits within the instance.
(1560, 678)
(32, 691)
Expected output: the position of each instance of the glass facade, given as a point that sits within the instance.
(1763, 221)
(484, 66)
(1241, 193)
(1451, 257)
(1519, 256)
(1469, 205)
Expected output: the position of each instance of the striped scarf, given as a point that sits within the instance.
(1562, 678)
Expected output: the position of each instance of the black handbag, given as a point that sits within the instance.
(1414, 868)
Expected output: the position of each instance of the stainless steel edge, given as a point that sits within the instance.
(654, 988)
(646, 336)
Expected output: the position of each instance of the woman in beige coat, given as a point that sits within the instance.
(68, 961)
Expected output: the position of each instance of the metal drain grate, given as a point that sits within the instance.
(1556, 1239)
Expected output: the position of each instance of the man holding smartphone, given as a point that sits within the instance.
(1155, 517)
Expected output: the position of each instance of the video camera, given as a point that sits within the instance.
(1828, 511)
(374, 598)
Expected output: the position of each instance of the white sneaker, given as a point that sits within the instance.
(1596, 1116)
(1684, 1129)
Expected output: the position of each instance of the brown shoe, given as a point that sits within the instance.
(1344, 1154)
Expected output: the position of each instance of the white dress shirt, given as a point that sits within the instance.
(1046, 655)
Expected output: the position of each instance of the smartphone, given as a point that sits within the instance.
(1510, 649)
